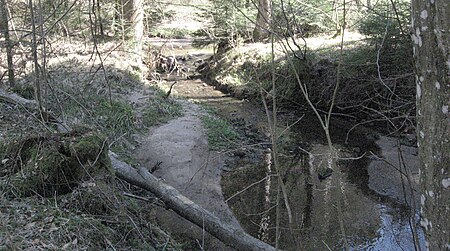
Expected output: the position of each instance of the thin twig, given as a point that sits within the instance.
(248, 187)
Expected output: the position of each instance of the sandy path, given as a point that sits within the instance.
(181, 147)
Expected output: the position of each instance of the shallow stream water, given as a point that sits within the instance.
(364, 201)
(361, 200)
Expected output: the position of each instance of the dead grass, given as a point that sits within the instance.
(96, 215)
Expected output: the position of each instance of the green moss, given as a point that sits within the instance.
(45, 173)
(91, 149)
(53, 165)
(25, 91)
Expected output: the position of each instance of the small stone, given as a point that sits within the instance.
(4, 161)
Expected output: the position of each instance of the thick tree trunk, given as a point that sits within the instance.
(12, 98)
(133, 13)
(183, 206)
(431, 37)
(263, 20)
(4, 27)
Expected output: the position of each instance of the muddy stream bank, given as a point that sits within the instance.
(374, 201)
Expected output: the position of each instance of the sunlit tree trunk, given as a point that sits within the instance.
(263, 20)
(133, 13)
(431, 37)
(4, 27)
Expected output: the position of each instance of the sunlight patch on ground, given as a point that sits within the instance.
(320, 44)
(185, 16)
(322, 41)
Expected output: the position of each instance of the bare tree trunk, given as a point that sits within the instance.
(37, 77)
(43, 68)
(335, 16)
(5, 28)
(431, 37)
(133, 11)
(263, 20)
(134, 15)
(100, 19)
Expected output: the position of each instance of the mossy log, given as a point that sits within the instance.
(52, 164)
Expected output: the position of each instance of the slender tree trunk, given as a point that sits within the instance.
(335, 15)
(263, 20)
(431, 37)
(100, 19)
(37, 79)
(43, 68)
(5, 28)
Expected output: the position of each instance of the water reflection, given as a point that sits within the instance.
(323, 211)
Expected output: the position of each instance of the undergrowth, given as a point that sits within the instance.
(370, 90)
(221, 134)
(93, 214)
(116, 116)
(80, 221)
(170, 33)
(160, 110)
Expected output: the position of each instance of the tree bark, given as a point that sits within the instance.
(99, 18)
(133, 13)
(263, 20)
(431, 37)
(34, 45)
(183, 206)
(12, 98)
(5, 28)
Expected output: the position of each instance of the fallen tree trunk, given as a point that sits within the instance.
(183, 206)
(228, 234)
(15, 99)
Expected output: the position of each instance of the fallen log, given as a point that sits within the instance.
(15, 99)
(183, 206)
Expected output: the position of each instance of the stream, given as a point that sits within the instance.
(364, 198)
